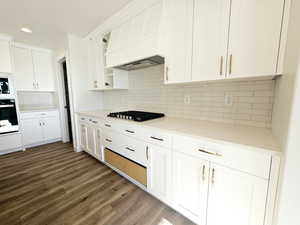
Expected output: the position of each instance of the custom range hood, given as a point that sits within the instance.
(143, 63)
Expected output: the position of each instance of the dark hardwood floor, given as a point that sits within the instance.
(54, 185)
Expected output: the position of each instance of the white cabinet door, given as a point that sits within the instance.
(98, 137)
(178, 29)
(235, 198)
(190, 186)
(5, 57)
(95, 64)
(91, 139)
(32, 131)
(83, 136)
(255, 28)
(43, 70)
(159, 171)
(51, 128)
(211, 27)
(24, 79)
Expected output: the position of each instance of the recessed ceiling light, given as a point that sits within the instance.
(26, 30)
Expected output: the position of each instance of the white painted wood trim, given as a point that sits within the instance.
(12, 150)
(284, 36)
(43, 143)
(22, 45)
(272, 190)
(61, 96)
(5, 37)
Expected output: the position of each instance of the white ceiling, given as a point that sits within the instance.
(51, 20)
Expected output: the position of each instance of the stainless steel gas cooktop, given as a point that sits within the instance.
(136, 115)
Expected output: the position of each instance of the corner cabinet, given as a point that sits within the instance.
(34, 69)
(211, 40)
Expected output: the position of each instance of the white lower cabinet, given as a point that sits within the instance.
(212, 194)
(235, 198)
(98, 138)
(40, 128)
(204, 181)
(83, 136)
(90, 139)
(91, 142)
(32, 131)
(190, 186)
(159, 171)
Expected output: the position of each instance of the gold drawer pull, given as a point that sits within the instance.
(155, 138)
(130, 149)
(210, 153)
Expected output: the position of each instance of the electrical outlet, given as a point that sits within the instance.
(187, 100)
(228, 100)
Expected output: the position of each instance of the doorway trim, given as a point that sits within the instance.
(61, 99)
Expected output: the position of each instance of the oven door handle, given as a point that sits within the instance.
(7, 106)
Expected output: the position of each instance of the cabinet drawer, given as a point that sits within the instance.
(93, 121)
(30, 115)
(158, 138)
(131, 131)
(111, 141)
(134, 170)
(252, 162)
(134, 149)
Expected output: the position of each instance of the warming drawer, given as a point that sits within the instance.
(130, 168)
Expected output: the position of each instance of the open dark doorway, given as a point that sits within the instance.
(67, 99)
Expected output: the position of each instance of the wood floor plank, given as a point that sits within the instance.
(53, 185)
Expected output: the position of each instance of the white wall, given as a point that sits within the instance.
(286, 124)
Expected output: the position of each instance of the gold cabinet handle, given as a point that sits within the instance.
(167, 73)
(213, 176)
(203, 173)
(221, 65)
(210, 153)
(147, 153)
(230, 64)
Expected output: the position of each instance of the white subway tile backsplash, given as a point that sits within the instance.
(252, 100)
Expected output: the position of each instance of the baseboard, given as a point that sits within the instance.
(42, 143)
(11, 150)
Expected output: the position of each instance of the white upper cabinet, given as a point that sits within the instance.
(235, 198)
(255, 28)
(210, 40)
(5, 56)
(178, 41)
(95, 64)
(34, 69)
(211, 26)
(24, 73)
(43, 70)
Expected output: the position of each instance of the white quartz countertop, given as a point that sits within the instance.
(260, 138)
(37, 109)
